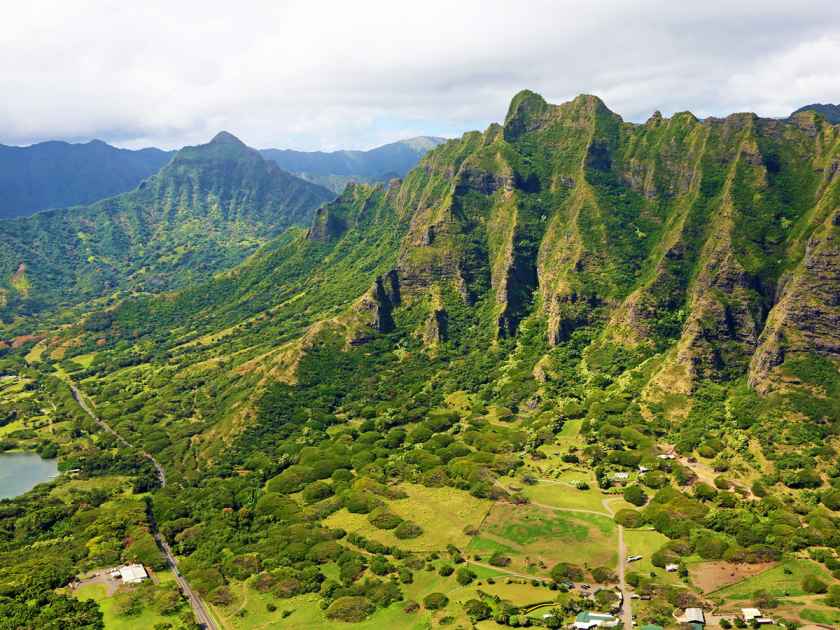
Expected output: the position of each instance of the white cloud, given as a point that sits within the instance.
(318, 74)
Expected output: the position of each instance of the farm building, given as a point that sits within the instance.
(588, 620)
(131, 573)
(754, 614)
(671, 568)
(693, 616)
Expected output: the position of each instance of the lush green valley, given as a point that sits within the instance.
(451, 400)
(206, 211)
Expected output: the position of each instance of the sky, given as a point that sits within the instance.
(325, 75)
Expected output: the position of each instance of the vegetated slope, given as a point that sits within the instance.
(336, 169)
(670, 286)
(830, 112)
(209, 208)
(704, 249)
(59, 174)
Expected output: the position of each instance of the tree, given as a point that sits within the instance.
(812, 584)
(635, 495)
(465, 576)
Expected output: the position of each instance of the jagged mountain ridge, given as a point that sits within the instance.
(679, 233)
(829, 111)
(59, 174)
(699, 242)
(335, 169)
(211, 206)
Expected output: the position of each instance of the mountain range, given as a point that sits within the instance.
(565, 349)
(336, 169)
(59, 174)
(206, 210)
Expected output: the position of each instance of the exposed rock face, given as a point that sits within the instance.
(373, 311)
(679, 234)
(434, 331)
(327, 225)
(807, 316)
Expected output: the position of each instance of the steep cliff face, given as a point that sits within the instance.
(710, 243)
(806, 318)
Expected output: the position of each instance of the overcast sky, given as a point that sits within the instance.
(356, 74)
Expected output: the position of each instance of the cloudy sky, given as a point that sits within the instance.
(339, 74)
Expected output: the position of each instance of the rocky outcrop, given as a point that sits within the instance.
(372, 313)
(806, 318)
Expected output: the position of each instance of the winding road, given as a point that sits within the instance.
(199, 610)
(626, 606)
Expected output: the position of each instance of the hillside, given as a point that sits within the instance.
(206, 210)
(336, 169)
(554, 344)
(830, 112)
(59, 174)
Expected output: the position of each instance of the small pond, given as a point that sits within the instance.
(20, 472)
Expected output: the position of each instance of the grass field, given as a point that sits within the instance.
(443, 513)
(644, 542)
(85, 360)
(108, 483)
(561, 493)
(782, 580)
(536, 538)
(113, 621)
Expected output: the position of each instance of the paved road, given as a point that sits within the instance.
(202, 616)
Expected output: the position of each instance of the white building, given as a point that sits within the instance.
(588, 620)
(754, 614)
(131, 573)
(672, 568)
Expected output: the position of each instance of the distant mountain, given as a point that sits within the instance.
(206, 210)
(337, 168)
(59, 174)
(830, 112)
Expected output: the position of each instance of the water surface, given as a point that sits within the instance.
(20, 472)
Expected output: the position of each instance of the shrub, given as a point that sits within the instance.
(317, 491)
(350, 609)
(722, 483)
(833, 598)
(477, 610)
(629, 518)
(812, 584)
(655, 479)
(498, 559)
(563, 571)
(465, 576)
(382, 519)
(435, 601)
(407, 529)
(603, 574)
(446, 570)
(704, 491)
(635, 495)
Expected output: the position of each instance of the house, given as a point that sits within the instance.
(644, 469)
(671, 568)
(693, 616)
(588, 620)
(667, 456)
(131, 573)
(754, 614)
